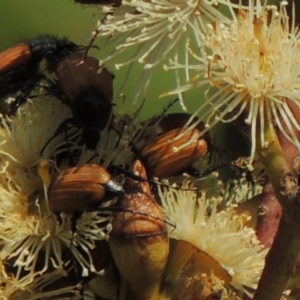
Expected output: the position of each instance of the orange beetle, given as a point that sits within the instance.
(79, 188)
(14, 57)
(168, 155)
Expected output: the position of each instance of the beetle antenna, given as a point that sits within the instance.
(95, 34)
(173, 102)
(135, 212)
(62, 128)
(154, 182)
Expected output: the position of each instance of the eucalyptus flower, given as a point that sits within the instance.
(222, 235)
(36, 286)
(149, 32)
(252, 67)
(33, 238)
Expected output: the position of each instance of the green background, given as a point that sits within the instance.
(22, 20)
(26, 19)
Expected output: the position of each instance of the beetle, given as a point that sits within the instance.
(78, 188)
(178, 145)
(20, 64)
(14, 57)
(167, 155)
(88, 91)
(85, 188)
(115, 3)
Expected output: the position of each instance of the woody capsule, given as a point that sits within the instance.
(138, 241)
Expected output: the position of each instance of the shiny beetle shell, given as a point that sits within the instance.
(89, 93)
(79, 188)
(77, 76)
(167, 155)
(14, 57)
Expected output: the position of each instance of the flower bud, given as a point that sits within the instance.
(138, 240)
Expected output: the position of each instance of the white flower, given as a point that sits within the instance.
(220, 234)
(253, 67)
(32, 229)
(36, 286)
(33, 238)
(24, 136)
(150, 31)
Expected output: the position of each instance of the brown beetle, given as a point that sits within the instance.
(20, 65)
(79, 188)
(88, 91)
(77, 77)
(168, 155)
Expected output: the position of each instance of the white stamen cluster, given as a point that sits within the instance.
(149, 32)
(220, 234)
(32, 238)
(252, 65)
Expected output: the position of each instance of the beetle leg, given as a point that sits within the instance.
(24, 93)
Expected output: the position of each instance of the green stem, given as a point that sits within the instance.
(274, 162)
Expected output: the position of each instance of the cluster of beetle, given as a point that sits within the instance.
(88, 90)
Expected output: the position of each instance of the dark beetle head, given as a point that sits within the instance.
(90, 137)
(52, 48)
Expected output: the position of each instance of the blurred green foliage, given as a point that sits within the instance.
(23, 20)
(26, 19)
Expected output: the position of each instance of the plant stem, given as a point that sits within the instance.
(281, 258)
